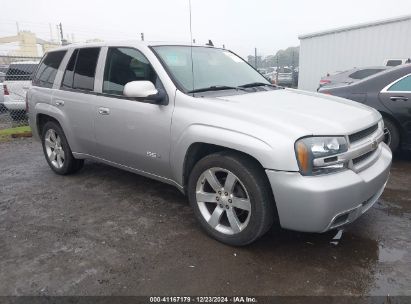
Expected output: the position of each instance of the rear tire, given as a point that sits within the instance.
(245, 208)
(392, 135)
(57, 150)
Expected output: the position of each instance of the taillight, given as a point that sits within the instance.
(6, 90)
(27, 103)
(325, 81)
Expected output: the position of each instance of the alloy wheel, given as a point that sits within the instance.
(54, 149)
(387, 136)
(223, 201)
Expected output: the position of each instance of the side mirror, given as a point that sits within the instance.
(139, 89)
(145, 90)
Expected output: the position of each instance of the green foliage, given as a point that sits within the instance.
(288, 57)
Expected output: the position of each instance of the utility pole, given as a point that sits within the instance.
(276, 74)
(142, 36)
(255, 57)
(63, 41)
(18, 28)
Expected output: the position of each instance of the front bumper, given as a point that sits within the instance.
(321, 203)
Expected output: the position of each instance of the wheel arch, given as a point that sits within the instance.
(199, 141)
(199, 150)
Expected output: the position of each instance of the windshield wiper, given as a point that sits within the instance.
(216, 88)
(258, 84)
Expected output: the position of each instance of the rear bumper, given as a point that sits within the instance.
(321, 203)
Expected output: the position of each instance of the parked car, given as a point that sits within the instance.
(247, 154)
(285, 76)
(349, 76)
(395, 62)
(17, 81)
(2, 107)
(389, 92)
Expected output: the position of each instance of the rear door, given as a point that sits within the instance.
(76, 97)
(397, 98)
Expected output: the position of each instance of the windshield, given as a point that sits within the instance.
(211, 67)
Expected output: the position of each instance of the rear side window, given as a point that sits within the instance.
(21, 71)
(85, 69)
(47, 70)
(394, 62)
(364, 73)
(69, 73)
(81, 69)
(403, 85)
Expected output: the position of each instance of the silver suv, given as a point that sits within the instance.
(247, 154)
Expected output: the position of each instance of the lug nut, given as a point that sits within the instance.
(228, 207)
(221, 205)
(229, 200)
(225, 193)
(217, 198)
(219, 192)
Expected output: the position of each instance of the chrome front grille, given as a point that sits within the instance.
(364, 147)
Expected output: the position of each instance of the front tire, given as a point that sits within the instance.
(231, 198)
(391, 135)
(57, 150)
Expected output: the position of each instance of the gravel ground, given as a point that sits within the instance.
(104, 231)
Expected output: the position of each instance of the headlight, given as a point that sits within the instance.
(319, 155)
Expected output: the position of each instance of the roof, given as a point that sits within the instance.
(136, 43)
(355, 27)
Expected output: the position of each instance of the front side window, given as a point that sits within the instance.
(47, 71)
(403, 85)
(124, 65)
(207, 67)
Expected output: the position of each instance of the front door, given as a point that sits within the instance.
(132, 133)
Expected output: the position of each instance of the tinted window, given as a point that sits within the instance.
(21, 71)
(364, 73)
(85, 69)
(124, 65)
(68, 74)
(394, 62)
(48, 69)
(402, 85)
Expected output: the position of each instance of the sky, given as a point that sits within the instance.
(241, 25)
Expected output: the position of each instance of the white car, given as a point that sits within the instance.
(17, 82)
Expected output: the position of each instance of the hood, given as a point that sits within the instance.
(299, 112)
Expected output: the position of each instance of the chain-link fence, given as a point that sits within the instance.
(15, 78)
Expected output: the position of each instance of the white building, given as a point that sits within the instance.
(368, 44)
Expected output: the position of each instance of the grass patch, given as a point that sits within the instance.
(5, 133)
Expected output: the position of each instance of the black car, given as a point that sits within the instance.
(389, 92)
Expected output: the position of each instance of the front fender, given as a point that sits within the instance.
(200, 133)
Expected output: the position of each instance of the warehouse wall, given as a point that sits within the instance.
(345, 49)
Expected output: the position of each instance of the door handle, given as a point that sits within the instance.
(395, 98)
(59, 103)
(104, 111)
